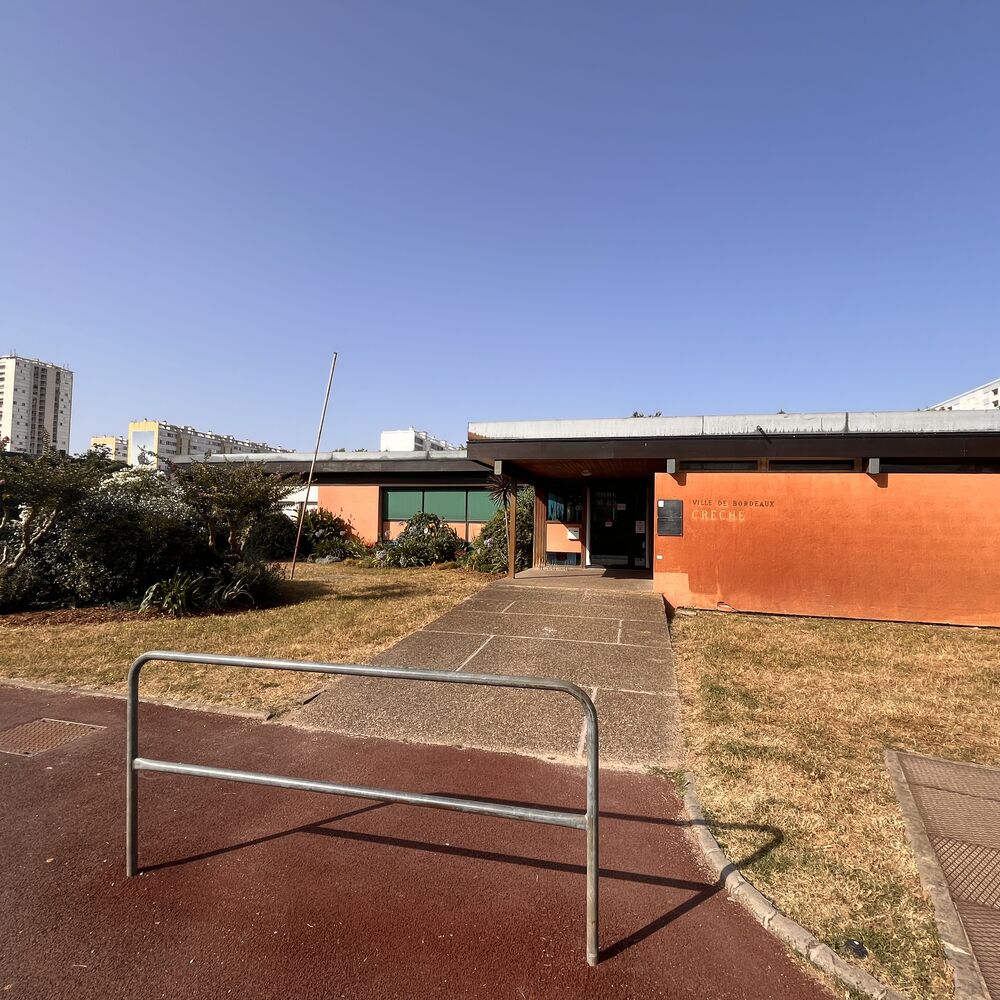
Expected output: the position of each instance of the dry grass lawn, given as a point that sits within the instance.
(337, 613)
(787, 722)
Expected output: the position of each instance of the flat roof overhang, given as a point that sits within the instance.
(622, 447)
(641, 457)
(390, 468)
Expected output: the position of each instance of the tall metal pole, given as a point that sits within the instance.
(312, 467)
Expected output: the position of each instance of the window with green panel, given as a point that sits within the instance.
(401, 505)
(449, 505)
(481, 505)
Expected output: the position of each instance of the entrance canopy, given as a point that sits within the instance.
(635, 447)
(595, 479)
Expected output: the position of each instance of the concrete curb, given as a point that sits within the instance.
(768, 915)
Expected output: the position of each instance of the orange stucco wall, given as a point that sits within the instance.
(557, 540)
(907, 547)
(357, 504)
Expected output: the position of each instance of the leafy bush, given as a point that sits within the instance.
(37, 494)
(341, 548)
(129, 532)
(228, 587)
(424, 540)
(320, 526)
(273, 537)
(488, 553)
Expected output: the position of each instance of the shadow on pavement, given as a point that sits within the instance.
(701, 891)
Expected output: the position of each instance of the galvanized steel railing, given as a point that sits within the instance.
(587, 822)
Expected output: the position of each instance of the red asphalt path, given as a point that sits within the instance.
(264, 893)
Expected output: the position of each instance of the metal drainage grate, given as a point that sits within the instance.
(36, 737)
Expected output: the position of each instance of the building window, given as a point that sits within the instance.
(565, 507)
(749, 465)
(458, 505)
(811, 465)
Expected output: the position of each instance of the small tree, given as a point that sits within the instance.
(230, 498)
(36, 493)
(488, 553)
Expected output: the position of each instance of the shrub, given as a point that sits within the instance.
(132, 530)
(273, 537)
(37, 494)
(341, 548)
(488, 553)
(320, 526)
(424, 540)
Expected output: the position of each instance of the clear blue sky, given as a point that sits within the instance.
(498, 210)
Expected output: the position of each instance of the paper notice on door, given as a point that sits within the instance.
(619, 506)
(640, 527)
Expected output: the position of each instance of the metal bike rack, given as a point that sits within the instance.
(587, 822)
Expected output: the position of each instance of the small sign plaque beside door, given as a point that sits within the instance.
(670, 517)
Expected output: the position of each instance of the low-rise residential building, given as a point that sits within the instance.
(36, 404)
(983, 397)
(154, 443)
(116, 448)
(410, 439)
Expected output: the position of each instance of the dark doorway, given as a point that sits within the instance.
(618, 524)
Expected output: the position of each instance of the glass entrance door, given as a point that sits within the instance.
(618, 530)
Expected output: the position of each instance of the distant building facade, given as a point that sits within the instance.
(36, 404)
(154, 443)
(410, 439)
(116, 447)
(983, 397)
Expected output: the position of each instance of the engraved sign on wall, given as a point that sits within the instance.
(670, 517)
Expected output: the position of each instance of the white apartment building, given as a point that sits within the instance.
(410, 439)
(154, 443)
(983, 397)
(116, 447)
(36, 403)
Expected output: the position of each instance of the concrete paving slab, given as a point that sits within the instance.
(531, 626)
(430, 650)
(952, 776)
(591, 578)
(551, 595)
(481, 604)
(650, 633)
(563, 641)
(641, 730)
(649, 608)
(536, 723)
(617, 605)
(561, 610)
(606, 666)
(268, 893)
(983, 926)
(952, 815)
(962, 817)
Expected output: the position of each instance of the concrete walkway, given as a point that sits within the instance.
(260, 893)
(952, 814)
(613, 642)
